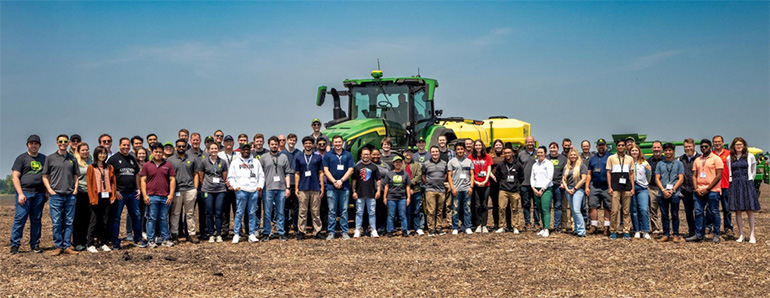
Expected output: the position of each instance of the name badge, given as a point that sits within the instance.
(463, 176)
(105, 195)
(597, 170)
(511, 178)
(308, 173)
(340, 167)
(669, 186)
(178, 194)
(482, 174)
(622, 180)
(276, 178)
(253, 175)
(703, 174)
(215, 180)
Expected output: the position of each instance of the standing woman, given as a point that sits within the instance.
(101, 193)
(82, 205)
(494, 186)
(140, 153)
(640, 201)
(743, 196)
(541, 181)
(573, 180)
(482, 166)
(214, 173)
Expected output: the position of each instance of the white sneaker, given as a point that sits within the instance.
(484, 230)
(500, 230)
(144, 236)
(647, 236)
(478, 229)
(515, 231)
(211, 239)
(420, 232)
(219, 238)
(637, 235)
(374, 234)
(357, 234)
(545, 233)
(253, 238)
(167, 243)
(92, 249)
(454, 232)
(540, 233)
(236, 239)
(752, 240)
(104, 247)
(468, 231)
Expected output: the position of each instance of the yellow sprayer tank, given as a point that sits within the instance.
(468, 129)
(508, 130)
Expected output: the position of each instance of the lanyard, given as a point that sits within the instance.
(230, 157)
(622, 163)
(669, 169)
(104, 186)
(214, 164)
(248, 165)
(510, 169)
(307, 160)
(339, 157)
(275, 162)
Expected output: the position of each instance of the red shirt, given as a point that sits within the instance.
(480, 167)
(725, 183)
(158, 177)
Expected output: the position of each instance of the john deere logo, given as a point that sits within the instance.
(35, 165)
(219, 166)
(555, 162)
(398, 179)
(188, 162)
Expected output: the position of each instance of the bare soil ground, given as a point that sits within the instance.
(464, 265)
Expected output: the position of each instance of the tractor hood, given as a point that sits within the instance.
(360, 132)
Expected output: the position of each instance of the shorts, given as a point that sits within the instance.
(599, 198)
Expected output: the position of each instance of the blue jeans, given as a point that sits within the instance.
(415, 211)
(214, 203)
(62, 208)
(274, 200)
(393, 205)
(370, 205)
(558, 194)
(116, 209)
(576, 202)
(640, 209)
(158, 214)
(32, 208)
(671, 204)
(337, 200)
(712, 200)
(462, 199)
(527, 199)
(688, 201)
(246, 201)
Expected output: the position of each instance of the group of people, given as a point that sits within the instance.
(270, 192)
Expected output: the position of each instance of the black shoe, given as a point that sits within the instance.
(174, 238)
(390, 235)
(301, 236)
(405, 234)
(319, 236)
(35, 249)
(265, 238)
(694, 238)
(14, 250)
(283, 238)
(716, 239)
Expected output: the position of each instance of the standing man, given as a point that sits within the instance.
(60, 177)
(316, 126)
(596, 186)
(126, 170)
(158, 183)
(509, 173)
(198, 153)
(387, 155)
(559, 161)
(566, 145)
(434, 176)
(421, 155)
(229, 204)
(291, 208)
(414, 170)
(686, 191)
(657, 156)
(218, 135)
(446, 154)
(381, 211)
(74, 142)
(719, 150)
(30, 195)
(460, 170)
(258, 148)
(620, 173)
(184, 134)
(566, 214)
(585, 155)
(187, 182)
(246, 178)
(105, 141)
(309, 187)
(527, 158)
(151, 140)
(669, 178)
(277, 171)
(366, 189)
(136, 143)
(338, 166)
(707, 175)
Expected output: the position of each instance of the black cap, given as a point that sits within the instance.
(76, 136)
(228, 138)
(409, 149)
(208, 139)
(33, 138)
(601, 142)
(246, 146)
(421, 140)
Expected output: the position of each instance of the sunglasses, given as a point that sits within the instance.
(316, 124)
(106, 141)
(181, 146)
(282, 140)
(704, 146)
(219, 136)
(321, 144)
(63, 141)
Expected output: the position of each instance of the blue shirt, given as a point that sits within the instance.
(312, 164)
(597, 167)
(669, 172)
(332, 161)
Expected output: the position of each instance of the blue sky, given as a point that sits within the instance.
(582, 70)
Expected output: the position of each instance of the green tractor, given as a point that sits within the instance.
(403, 109)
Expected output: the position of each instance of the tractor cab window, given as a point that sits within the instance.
(423, 110)
(381, 101)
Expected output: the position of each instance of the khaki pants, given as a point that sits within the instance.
(447, 206)
(621, 201)
(655, 224)
(509, 199)
(185, 200)
(312, 198)
(434, 201)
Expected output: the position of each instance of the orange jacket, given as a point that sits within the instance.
(93, 195)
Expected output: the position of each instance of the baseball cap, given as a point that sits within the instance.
(246, 146)
(228, 138)
(398, 158)
(315, 120)
(601, 142)
(421, 140)
(33, 138)
(208, 139)
(631, 139)
(168, 144)
(409, 149)
(76, 136)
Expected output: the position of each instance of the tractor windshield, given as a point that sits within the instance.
(388, 101)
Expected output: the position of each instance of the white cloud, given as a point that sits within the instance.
(651, 60)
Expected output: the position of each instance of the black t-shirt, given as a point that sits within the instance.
(366, 176)
(126, 168)
(31, 169)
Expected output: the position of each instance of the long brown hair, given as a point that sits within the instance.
(483, 150)
(744, 153)
(80, 160)
(493, 152)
